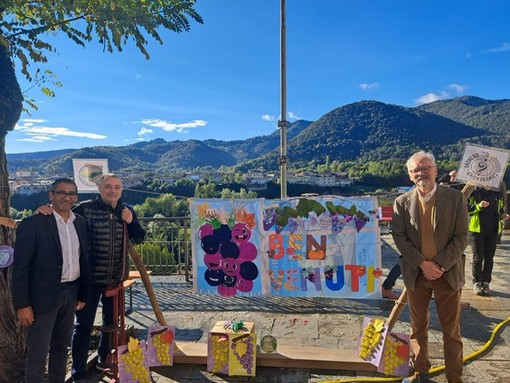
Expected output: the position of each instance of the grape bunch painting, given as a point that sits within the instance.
(229, 258)
(229, 254)
(160, 345)
(133, 363)
(242, 354)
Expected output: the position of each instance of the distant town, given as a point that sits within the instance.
(28, 182)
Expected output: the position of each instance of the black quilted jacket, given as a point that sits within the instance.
(107, 249)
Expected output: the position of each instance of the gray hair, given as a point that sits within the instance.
(419, 155)
(108, 176)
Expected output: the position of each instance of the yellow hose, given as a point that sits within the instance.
(434, 370)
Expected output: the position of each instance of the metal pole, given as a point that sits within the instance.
(283, 123)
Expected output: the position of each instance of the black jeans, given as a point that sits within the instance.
(392, 277)
(484, 248)
(83, 328)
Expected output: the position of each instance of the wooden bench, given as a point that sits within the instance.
(133, 278)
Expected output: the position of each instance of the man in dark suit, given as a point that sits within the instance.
(50, 281)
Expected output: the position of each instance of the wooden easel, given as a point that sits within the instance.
(118, 330)
(144, 276)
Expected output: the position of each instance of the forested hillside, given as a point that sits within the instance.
(358, 134)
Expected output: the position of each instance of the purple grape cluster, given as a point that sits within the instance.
(228, 257)
(247, 359)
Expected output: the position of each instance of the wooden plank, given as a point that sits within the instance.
(129, 282)
(9, 222)
(285, 356)
(135, 274)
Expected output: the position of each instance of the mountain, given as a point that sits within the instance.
(491, 115)
(148, 156)
(157, 155)
(33, 160)
(252, 148)
(363, 131)
(373, 131)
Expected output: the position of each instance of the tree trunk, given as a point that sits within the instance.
(12, 338)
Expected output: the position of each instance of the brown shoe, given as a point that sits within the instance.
(389, 294)
(464, 305)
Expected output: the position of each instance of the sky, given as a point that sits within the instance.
(221, 80)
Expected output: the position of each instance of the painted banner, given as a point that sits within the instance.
(324, 246)
(226, 246)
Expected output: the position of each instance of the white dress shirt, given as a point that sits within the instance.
(70, 247)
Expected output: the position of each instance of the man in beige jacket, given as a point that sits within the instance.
(430, 229)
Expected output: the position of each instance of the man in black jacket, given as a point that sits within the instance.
(50, 281)
(109, 223)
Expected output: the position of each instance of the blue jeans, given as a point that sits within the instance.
(83, 329)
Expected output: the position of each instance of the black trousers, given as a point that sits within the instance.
(484, 248)
(51, 333)
(392, 277)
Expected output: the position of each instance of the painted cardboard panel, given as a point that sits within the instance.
(324, 246)
(133, 362)
(232, 351)
(160, 345)
(395, 357)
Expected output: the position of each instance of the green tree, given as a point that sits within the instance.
(17, 214)
(242, 193)
(206, 190)
(166, 205)
(26, 29)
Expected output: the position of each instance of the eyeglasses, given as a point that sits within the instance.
(424, 169)
(63, 194)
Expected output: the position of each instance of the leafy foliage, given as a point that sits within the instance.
(27, 26)
(166, 205)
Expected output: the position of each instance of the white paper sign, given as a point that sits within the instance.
(483, 166)
(88, 173)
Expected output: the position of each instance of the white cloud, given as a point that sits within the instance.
(268, 117)
(371, 86)
(138, 76)
(458, 88)
(41, 133)
(505, 47)
(32, 121)
(144, 131)
(169, 126)
(293, 116)
(431, 97)
(38, 139)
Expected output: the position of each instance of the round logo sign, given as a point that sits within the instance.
(268, 343)
(6, 256)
